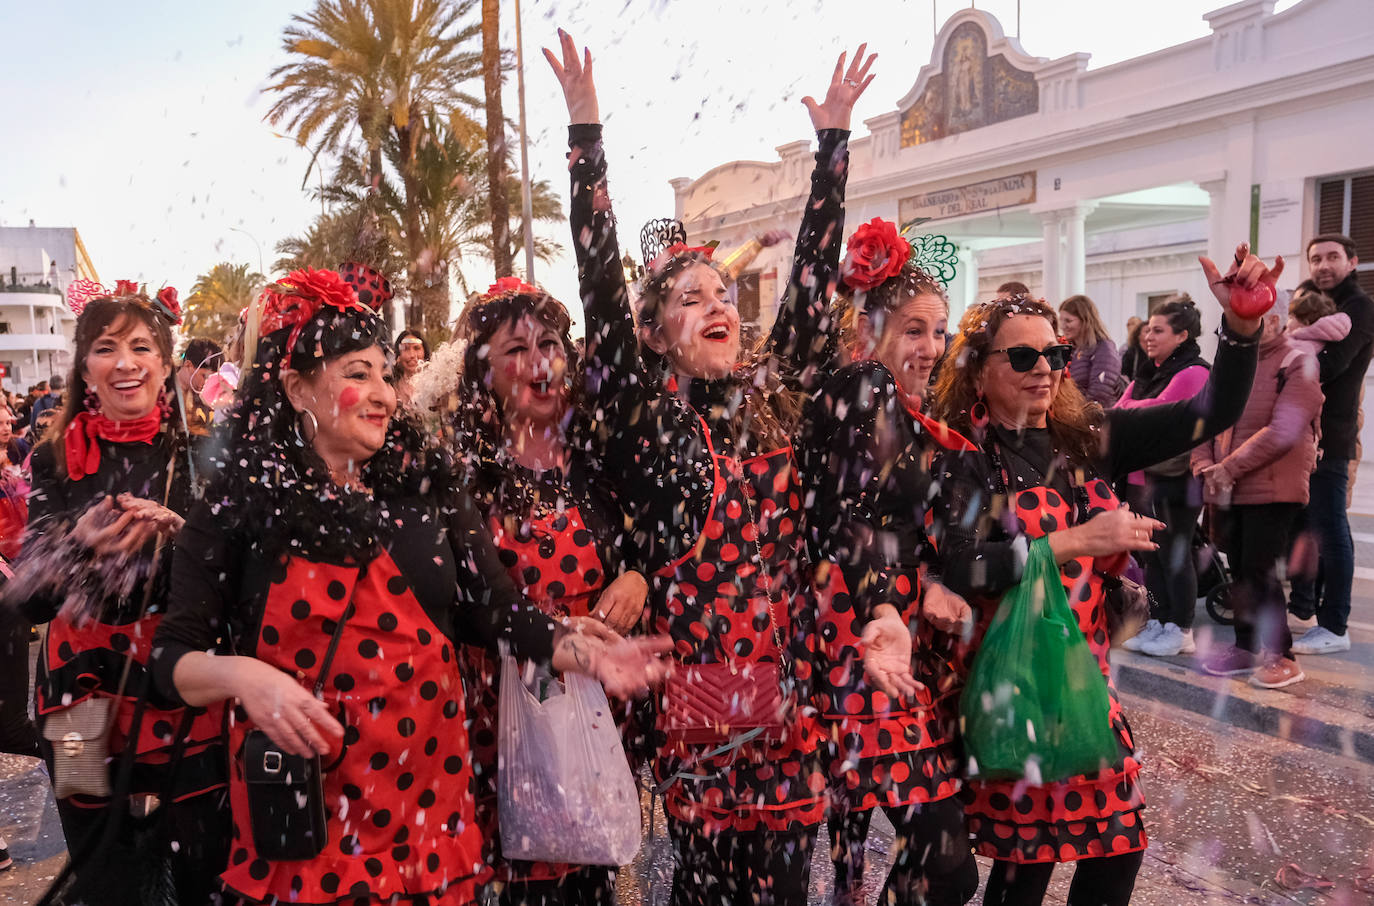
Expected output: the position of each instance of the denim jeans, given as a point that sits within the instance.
(1326, 518)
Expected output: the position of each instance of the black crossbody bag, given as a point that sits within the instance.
(285, 791)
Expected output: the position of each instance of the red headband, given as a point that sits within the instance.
(81, 292)
(680, 248)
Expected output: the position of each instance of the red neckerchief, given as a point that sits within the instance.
(83, 453)
(943, 434)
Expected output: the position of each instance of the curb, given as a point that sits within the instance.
(1283, 715)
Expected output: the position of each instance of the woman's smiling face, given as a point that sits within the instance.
(698, 329)
(125, 370)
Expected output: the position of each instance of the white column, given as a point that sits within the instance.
(1052, 256)
(1075, 260)
(1220, 248)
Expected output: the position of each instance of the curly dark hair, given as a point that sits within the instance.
(276, 488)
(1074, 422)
(478, 420)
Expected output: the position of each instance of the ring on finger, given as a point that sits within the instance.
(851, 83)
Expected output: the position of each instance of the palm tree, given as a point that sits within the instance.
(383, 70)
(496, 137)
(450, 192)
(212, 309)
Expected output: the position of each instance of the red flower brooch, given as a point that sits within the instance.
(511, 286)
(295, 299)
(875, 252)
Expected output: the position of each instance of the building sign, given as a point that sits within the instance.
(971, 90)
(989, 195)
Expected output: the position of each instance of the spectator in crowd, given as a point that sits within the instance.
(411, 350)
(1096, 363)
(1167, 490)
(17, 732)
(1331, 262)
(1257, 475)
(50, 400)
(201, 357)
(1313, 320)
(1012, 288)
(1132, 356)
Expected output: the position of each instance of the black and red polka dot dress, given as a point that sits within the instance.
(730, 600)
(867, 456)
(399, 797)
(85, 658)
(716, 501)
(552, 535)
(1089, 816)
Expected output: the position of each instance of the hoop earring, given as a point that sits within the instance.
(978, 414)
(164, 408)
(91, 402)
(300, 417)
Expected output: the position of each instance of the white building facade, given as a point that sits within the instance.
(1108, 182)
(36, 328)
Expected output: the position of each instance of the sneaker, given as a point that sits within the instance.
(1149, 631)
(1170, 640)
(6, 862)
(1277, 673)
(1320, 640)
(1229, 661)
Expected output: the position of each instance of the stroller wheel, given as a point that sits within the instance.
(1219, 605)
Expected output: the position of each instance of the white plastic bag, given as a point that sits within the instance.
(565, 789)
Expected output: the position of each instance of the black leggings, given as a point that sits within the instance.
(758, 868)
(1106, 881)
(1171, 572)
(17, 733)
(934, 865)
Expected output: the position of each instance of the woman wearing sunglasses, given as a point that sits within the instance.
(1044, 468)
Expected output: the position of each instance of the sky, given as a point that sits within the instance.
(141, 123)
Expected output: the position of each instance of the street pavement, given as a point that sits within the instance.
(1262, 797)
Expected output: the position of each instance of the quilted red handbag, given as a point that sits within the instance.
(707, 704)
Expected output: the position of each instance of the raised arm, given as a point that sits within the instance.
(613, 369)
(801, 328)
(1137, 438)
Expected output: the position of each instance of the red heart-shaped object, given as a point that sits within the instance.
(1252, 302)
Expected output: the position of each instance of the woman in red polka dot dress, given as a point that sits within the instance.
(556, 525)
(866, 454)
(702, 455)
(1044, 467)
(111, 485)
(333, 516)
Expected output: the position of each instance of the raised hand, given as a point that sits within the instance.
(887, 654)
(1246, 272)
(574, 73)
(846, 85)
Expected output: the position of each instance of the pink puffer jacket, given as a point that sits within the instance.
(1272, 450)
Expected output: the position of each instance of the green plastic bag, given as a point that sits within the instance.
(1036, 705)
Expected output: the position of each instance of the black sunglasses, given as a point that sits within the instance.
(1023, 358)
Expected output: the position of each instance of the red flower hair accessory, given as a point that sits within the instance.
(166, 302)
(875, 252)
(511, 286)
(295, 299)
(125, 288)
(79, 292)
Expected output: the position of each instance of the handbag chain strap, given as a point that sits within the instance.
(745, 489)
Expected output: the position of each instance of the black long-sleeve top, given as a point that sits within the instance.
(652, 439)
(866, 465)
(1343, 364)
(220, 583)
(981, 556)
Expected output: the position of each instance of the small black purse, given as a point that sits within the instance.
(285, 791)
